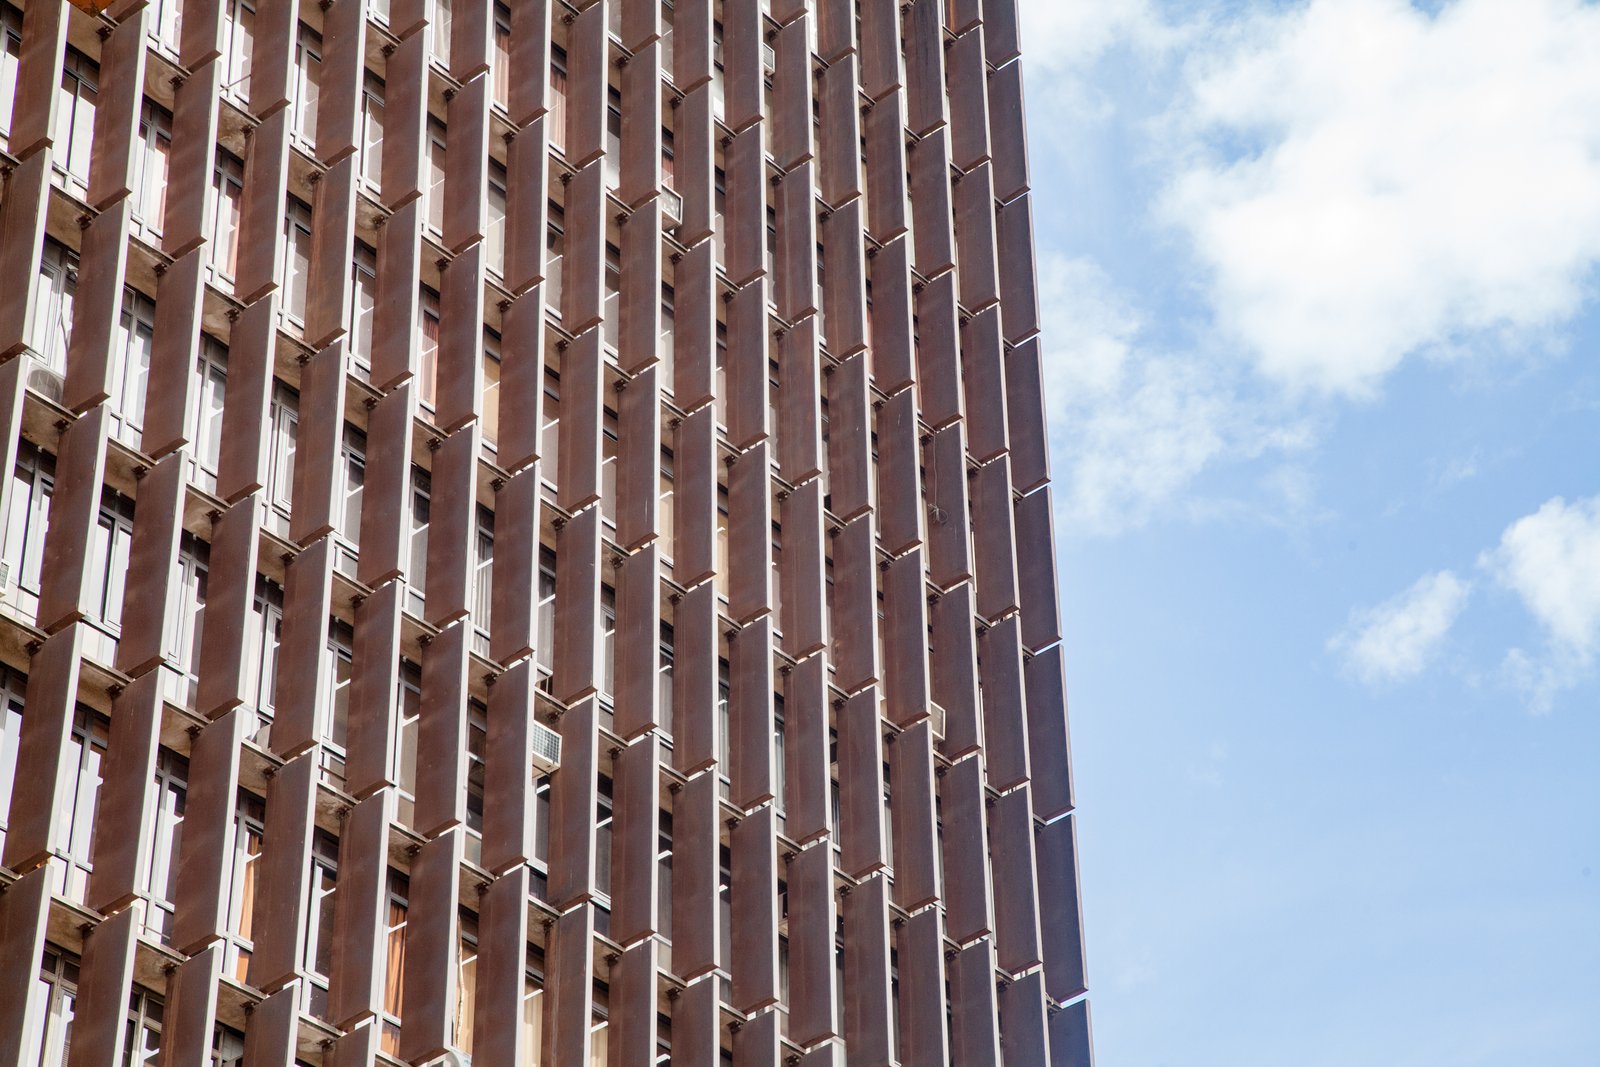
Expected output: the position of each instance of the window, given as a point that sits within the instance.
(416, 588)
(428, 350)
(76, 794)
(107, 568)
(405, 740)
(205, 413)
(466, 982)
(494, 243)
(227, 192)
(28, 516)
(500, 59)
(13, 687)
(52, 999)
(52, 308)
(335, 722)
(306, 86)
(363, 299)
(266, 627)
(130, 366)
(150, 163)
(318, 960)
(353, 454)
(72, 127)
(547, 612)
(491, 388)
(249, 830)
(159, 879)
(482, 580)
(285, 415)
(434, 217)
(394, 964)
(297, 232)
(557, 122)
(439, 24)
(185, 621)
(10, 54)
(372, 132)
(164, 17)
(238, 31)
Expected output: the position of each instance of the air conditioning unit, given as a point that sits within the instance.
(936, 720)
(671, 208)
(769, 59)
(546, 749)
(5, 578)
(46, 382)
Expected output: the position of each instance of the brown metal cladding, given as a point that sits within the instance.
(280, 912)
(1016, 904)
(24, 912)
(813, 1000)
(1070, 1042)
(1061, 912)
(920, 954)
(152, 553)
(508, 787)
(191, 1010)
(122, 830)
(1005, 722)
(432, 948)
(498, 1030)
(360, 913)
(974, 1021)
(868, 1032)
(1023, 1038)
(370, 721)
(965, 843)
(105, 983)
(756, 1043)
(31, 827)
(912, 817)
(808, 811)
(861, 833)
(695, 839)
(201, 905)
(753, 895)
(635, 874)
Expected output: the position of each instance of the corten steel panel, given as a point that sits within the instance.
(200, 37)
(965, 846)
(497, 1026)
(637, 644)
(926, 108)
(855, 606)
(753, 895)
(974, 1030)
(66, 585)
(191, 1009)
(395, 314)
(844, 286)
(691, 43)
(266, 175)
(527, 204)
(205, 854)
(405, 118)
(460, 374)
(271, 49)
(635, 829)
(742, 65)
(361, 913)
(795, 286)
(530, 61)
(945, 474)
(893, 346)
(905, 639)
(303, 682)
(751, 772)
(39, 56)
(696, 725)
(282, 893)
(522, 346)
(880, 50)
(913, 817)
(442, 733)
(24, 911)
(862, 844)
(13, 386)
(189, 169)
(1030, 454)
(1019, 284)
(803, 598)
(588, 69)
(452, 527)
(578, 458)
(1008, 134)
(836, 29)
(746, 397)
(270, 1039)
(572, 807)
(569, 992)
(807, 803)
(358, 1048)
(1023, 1038)
(994, 539)
(246, 436)
(983, 373)
(577, 649)
(22, 215)
(1016, 905)
(466, 166)
(696, 933)
(694, 324)
(849, 439)
(1036, 571)
(507, 772)
(693, 174)
(696, 1024)
(756, 1041)
(1001, 31)
(919, 948)
(96, 308)
(122, 826)
(333, 222)
(953, 654)
(694, 512)
(471, 29)
(938, 354)
(385, 532)
(339, 87)
(839, 136)
(229, 607)
(799, 403)
(41, 748)
(583, 289)
(432, 948)
(638, 327)
(750, 535)
(791, 98)
(900, 494)
(930, 197)
(105, 983)
(1049, 751)
(1070, 1043)
(1005, 723)
(828, 1055)
(631, 1037)
(639, 457)
(514, 578)
(887, 212)
(969, 111)
(813, 920)
(639, 170)
(744, 223)
(369, 713)
(867, 996)
(975, 239)
(1061, 911)
(319, 437)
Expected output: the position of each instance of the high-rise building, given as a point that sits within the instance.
(527, 539)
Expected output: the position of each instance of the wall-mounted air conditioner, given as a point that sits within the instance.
(936, 721)
(546, 749)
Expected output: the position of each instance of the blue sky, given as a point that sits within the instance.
(1322, 293)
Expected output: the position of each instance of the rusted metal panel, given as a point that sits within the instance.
(919, 947)
(1016, 903)
(104, 985)
(433, 934)
(582, 405)
(1023, 1038)
(802, 569)
(1070, 1043)
(913, 816)
(190, 1017)
(442, 733)
(631, 1035)
(508, 779)
(453, 528)
(466, 162)
(750, 535)
(152, 555)
(807, 805)
(1049, 752)
(24, 912)
(637, 644)
(386, 491)
(855, 606)
(862, 840)
(498, 1032)
(638, 503)
(813, 920)
(572, 807)
(868, 1006)
(756, 1041)
(96, 307)
(752, 772)
(964, 839)
(122, 819)
(205, 855)
(696, 1027)
(360, 913)
(849, 439)
(905, 639)
(374, 692)
(50, 700)
(696, 724)
(1061, 910)
(994, 539)
(279, 926)
(577, 648)
(746, 400)
(302, 683)
(460, 373)
(569, 992)
(695, 841)
(1005, 722)
(636, 829)
(66, 583)
(229, 606)
(974, 1025)
(798, 416)
(754, 899)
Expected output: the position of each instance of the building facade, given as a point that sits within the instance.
(527, 539)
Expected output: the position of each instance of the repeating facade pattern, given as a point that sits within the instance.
(528, 538)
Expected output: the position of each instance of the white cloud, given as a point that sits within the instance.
(1064, 34)
(1362, 181)
(1396, 639)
